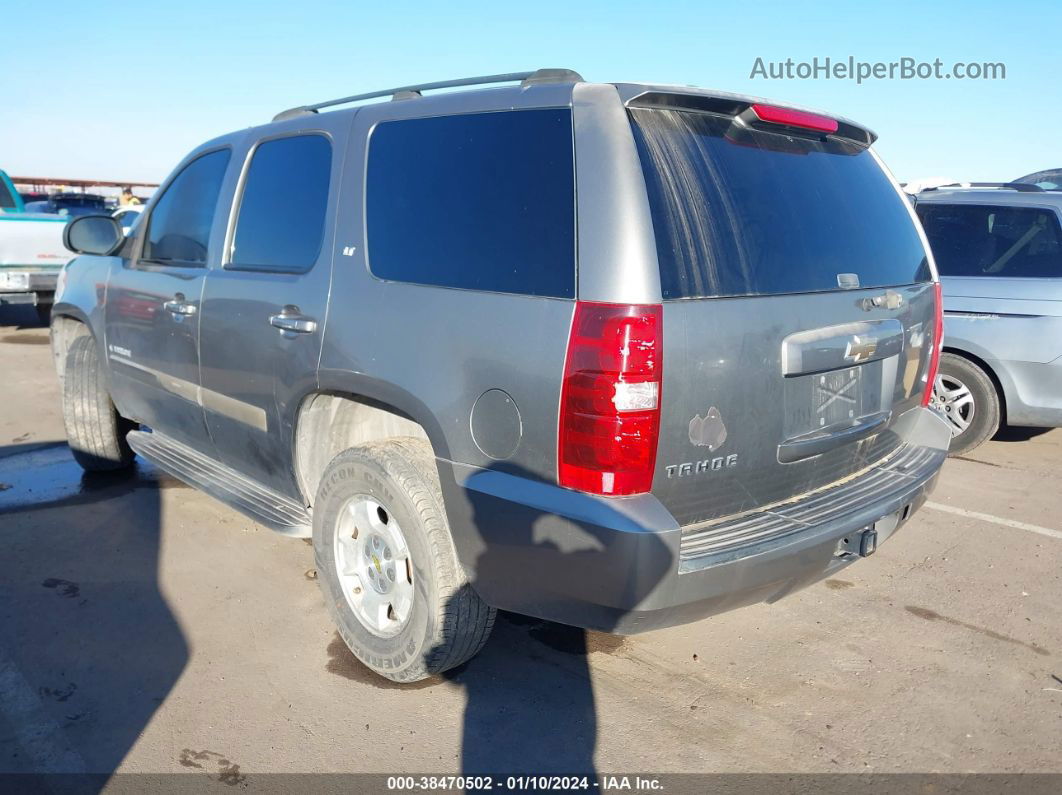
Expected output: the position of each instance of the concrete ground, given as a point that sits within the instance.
(146, 627)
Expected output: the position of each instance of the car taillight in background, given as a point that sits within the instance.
(937, 342)
(610, 400)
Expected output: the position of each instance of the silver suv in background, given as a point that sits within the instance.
(998, 248)
(615, 355)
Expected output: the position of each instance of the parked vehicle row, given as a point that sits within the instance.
(615, 355)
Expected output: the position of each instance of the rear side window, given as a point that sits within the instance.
(985, 240)
(179, 226)
(280, 224)
(483, 201)
(743, 212)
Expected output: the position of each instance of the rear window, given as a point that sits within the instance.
(986, 240)
(483, 201)
(743, 212)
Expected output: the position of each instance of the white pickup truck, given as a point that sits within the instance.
(31, 251)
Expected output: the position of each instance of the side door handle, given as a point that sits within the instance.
(179, 306)
(290, 320)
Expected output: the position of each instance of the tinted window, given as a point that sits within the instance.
(282, 212)
(179, 226)
(980, 240)
(742, 212)
(482, 201)
(7, 201)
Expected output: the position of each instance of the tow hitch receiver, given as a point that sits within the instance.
(862, 542)
(868, 542)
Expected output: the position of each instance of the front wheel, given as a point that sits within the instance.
(94, 429)
(387, 564)
(966, 397)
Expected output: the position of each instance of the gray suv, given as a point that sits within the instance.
(619, 356)
(999, 251)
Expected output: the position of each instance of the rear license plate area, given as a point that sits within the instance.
(822, 400)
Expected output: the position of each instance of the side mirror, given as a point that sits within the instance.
(93, 234)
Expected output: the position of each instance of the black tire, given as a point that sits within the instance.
(448, 622)
(985, 419)
(94, 429)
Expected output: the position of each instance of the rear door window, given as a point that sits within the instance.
(482, 201)
(179, 226)
(744, 212)
(993, 240)
(281, 219)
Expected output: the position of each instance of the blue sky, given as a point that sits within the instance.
(123, 91)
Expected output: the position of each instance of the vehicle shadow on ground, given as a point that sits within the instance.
(21, 317)
(1015, 434)
(88, 646)
(530, 705)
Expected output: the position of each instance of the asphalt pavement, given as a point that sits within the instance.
(145, 627)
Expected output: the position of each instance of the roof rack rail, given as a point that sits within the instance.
(414, 91)
(1018, 186)
(1021, 187)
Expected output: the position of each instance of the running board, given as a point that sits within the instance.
(265, 506)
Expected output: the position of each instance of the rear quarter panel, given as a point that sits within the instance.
(1015, 327)
(1004, 319)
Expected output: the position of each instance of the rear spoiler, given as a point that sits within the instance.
(757, 115)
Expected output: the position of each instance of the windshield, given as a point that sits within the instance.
(744, 212)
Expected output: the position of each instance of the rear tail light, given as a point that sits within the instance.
(610, 399)
(794, 118)
(937, 342)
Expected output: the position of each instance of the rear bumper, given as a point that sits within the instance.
(625, 566)
(39, 290)
(18, 298)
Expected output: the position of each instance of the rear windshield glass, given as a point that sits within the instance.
(742, 212)
(985, 240)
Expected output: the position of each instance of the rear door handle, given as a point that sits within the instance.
(292, 321)
(179, 306)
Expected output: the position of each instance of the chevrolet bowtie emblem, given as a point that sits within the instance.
(859, 349)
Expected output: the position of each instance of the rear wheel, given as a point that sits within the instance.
(387, 564)
(94, 429)
(966, 397)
